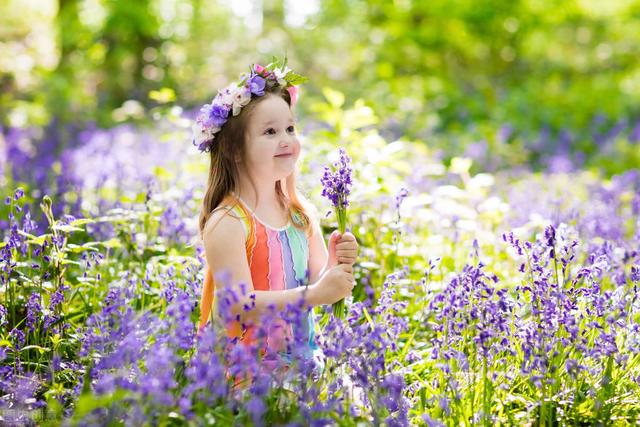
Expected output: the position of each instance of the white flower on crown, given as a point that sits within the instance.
(280, 73)
(241, 97)
(202, 134)
(226, 95)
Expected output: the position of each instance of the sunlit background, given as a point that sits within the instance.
(520, 81)
(496, 158)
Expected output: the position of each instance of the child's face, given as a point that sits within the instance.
(272, 146)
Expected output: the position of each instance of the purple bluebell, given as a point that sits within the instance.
(336, 184)
(34, 311)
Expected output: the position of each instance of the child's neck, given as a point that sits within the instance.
(260, 192)
(263, 200)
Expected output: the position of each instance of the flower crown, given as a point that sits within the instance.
(238, 94)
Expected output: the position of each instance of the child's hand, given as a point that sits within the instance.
(343, 249)
(334, 285)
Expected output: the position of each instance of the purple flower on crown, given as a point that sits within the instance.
(214, 114)
(257, 84)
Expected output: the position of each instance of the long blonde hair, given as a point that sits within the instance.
(223, 170)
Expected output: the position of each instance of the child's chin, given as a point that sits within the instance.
(284, 173)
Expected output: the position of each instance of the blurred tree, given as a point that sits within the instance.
(73, 37)
(130, 29)
(531, 64)
(273, 13)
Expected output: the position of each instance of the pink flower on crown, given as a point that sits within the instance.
(293, 92)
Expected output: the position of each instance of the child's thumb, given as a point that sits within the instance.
(333, 241)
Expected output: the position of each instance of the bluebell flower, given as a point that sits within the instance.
(34, 311)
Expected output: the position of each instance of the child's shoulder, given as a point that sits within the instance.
(223, 238)
(226, 218)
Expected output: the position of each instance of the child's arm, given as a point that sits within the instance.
(224, 243)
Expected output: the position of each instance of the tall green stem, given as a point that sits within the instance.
(341, 212)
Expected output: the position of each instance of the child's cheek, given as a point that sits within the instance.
(296, 147)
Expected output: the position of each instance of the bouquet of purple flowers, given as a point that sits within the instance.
(336, 183)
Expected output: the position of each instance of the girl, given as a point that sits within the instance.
(254, 223)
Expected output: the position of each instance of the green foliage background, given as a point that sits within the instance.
(458, 68)
(410, 88)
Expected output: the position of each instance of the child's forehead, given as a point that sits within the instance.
(272, 110)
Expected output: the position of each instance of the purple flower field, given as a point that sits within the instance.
(507, 297)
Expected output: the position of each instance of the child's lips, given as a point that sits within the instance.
(284, 155)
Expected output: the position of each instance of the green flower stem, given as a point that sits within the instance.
(341, 213)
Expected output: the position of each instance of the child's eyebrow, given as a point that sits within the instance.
(270, 122)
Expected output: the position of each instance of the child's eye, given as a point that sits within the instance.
(270, 131)
(291, 129)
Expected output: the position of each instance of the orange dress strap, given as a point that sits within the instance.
(209, 286)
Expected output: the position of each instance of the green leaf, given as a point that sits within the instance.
(38, 240)
(295, 79)
(82, 221)
(111, 243)
(408, 344)
(89, 402)
(56, 339)
(33, 240)
(66, 228)
(272, 65)
(42, 350)
(367, 316)
(82, 248)
(25, 234)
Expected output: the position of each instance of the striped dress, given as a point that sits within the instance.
(278, 260)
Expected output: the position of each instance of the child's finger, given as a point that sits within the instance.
(333, 240)
(346, 252)
(347, 237)
(346, 245)
(349, 252)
